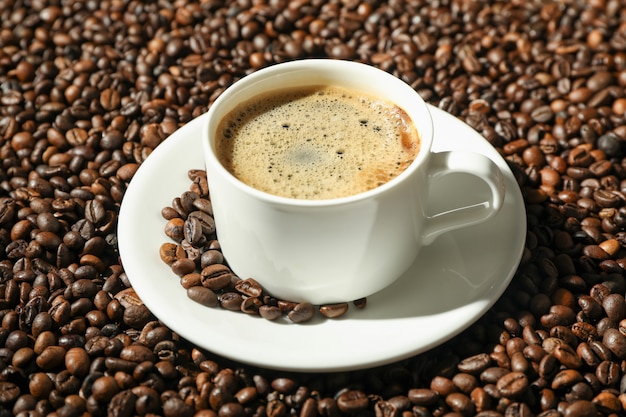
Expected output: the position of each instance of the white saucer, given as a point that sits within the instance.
(453, 282)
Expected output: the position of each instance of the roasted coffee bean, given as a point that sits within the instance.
(566, 355)
(190, 280)
(607, 401)
(231, 301)
(122, 403)
(566, 378)
(77, 361)
(251, 305)
(580, 391)
(302, 312)
(95, 212)
(205, 221)
(50, 357)
(136, 316)
(203, 295)
(283, 385)
(584, 331)
(580, 408)
(204, 205)
(231, 409)
(442, 385)
(512, 384)
(352, 401)
(183, 266)
(475, 364)
(542, 114)
(211, 257)
(587, 355)
(334, 310)
(216, 276)
(246, 395)
(270, 312)
(465, 382)
(600, 349)
(40, 385)
(249, 287)
(137, 353)
(104, 388)
(607, 372)
(460, 403)
(422, 396)
(615, 342)
(614, 306)
(174, 229)
(8, 392)
(170, 252)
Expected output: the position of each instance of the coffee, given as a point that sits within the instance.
(317, 142)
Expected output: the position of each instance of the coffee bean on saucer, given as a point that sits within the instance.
(193, 279)
(192, 231)
(203, 295)
(170, 252)
(216, 276)
(205, 221)
(269, 312)
(333, 310)
(204, 205)
(286, 305)
(210, 257)
(301, 313)
(249, 287)
(360, 303)
(183, 266)
(251, 305)
(174, 229)
(192, 251)
(231, 301)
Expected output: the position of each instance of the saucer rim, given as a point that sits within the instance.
(128, 220)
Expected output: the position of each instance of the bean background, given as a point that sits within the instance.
(89, 88)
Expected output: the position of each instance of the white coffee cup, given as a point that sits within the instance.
(342, 249)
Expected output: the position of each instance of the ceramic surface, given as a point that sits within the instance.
(453, 282)
(286, 244)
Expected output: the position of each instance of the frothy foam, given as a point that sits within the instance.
(316, 143)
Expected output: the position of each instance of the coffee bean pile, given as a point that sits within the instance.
(194, 254)
(89, 88)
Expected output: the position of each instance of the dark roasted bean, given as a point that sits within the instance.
(231, 301)
(249, 287)
(615, 342)
(216, 276)
(302, 312)
(352, 401)
(422, 396)
(202, 295)
(512, 384)
(270, 312)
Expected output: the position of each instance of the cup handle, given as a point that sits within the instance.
(444, 163)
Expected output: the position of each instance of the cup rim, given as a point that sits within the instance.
(425, 130)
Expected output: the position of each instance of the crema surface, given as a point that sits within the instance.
(316, 143)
